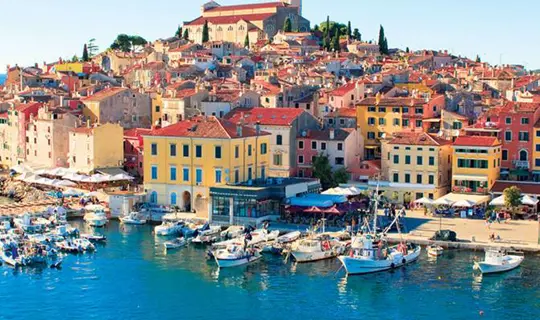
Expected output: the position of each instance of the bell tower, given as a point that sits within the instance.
(295, 3)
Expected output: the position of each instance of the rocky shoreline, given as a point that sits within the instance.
(20, 191)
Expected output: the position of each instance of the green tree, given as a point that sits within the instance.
(186, 34)
(75, 59)
(122, 43)
(178, 32)
(383, 42)
(349, 30)
(341, 175)
(205, 35)
(246, 41)
(407, 50)
(335, 41)
(137, 43)
(323, 171)
(93, 49)
(287, 25)
(315, 28)
(357, 35)
(512, 198)
(478, 59)
(85, 53)
(326, 42)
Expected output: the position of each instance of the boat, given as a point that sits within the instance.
(175, 244)
(233, 232)
(169, 228)
(68, 246)
(94, 237)
(235, 255)
(496, 261)
(133, 218)
(26, 224)
(370, 252)
(84, 244)
(208, 234)
(262, 235)
(315, 248)
(96, 218)
(434, 250)
(289, 237)
(9, 253)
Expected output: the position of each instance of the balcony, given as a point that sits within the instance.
(520, 164)
(464, 189)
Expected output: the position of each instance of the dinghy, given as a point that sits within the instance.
(235, 255)
(175, 244)
(434, 250)
(497, 261)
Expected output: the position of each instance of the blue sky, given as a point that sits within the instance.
(498, 30)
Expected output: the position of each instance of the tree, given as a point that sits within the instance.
(349, 30)
(93, 49)
(122, 43)
(287, 25)
(357, 35)
(326, 41)
(137, 42)
(75, 59)
(335, 41)
(205, 35)
(512, 198)
(178, 32)
(186, 34)
(246, 41)
(341, 175)
(315, 28)
(383, 42)
(407, 50)
(323, 171)
(478, 59)
(85, 53)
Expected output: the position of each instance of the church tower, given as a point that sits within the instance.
(295, 3)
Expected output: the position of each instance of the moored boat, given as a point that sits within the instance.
(94, 237)
(133, 218)
(236, 255)
(315, 248)
(434, 250)
(169, 228)
(289, 237)
(233, 232)
(175, 244)
(96, 218)
(209, 234)
(496, 261)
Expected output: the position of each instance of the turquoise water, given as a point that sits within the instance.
(2, 79)
(131, 278)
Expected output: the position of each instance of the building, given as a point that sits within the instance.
(347, 95)
(96, 147)
(182, 161)
(133, 151)
(476, 164)
(341, 118)
(415, 165)
(283, 124)
(15, 134)
(124, 106)
(47, 138)
(256, 21)
(341, 146)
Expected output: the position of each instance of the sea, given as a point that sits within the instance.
(131, 277)
(2, 79)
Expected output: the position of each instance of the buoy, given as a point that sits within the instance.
(481, 313)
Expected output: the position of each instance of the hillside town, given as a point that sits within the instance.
(249, 110)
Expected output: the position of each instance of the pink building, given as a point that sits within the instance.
(347, 95)
(133, 150)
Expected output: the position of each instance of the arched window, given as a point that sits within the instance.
(173, 199)
(241, 28)
(523, 155)
(279, 140)
(219, 29)
(153, 197)
(230, 28)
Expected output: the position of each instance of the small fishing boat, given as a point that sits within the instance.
(169, 228)
(496, 261)
(133, 218)
(68, 246)
(9, 254)
(235, 255)
(316, 248)
(434, 250)
(94, 237)
(233, 232)
(208, 234)
(175, 244)
(96, 218)
(289, 237)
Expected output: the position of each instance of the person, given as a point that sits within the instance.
(393, 210)
(386, 211)
(492, 237)
(498, 217)
(488, 223)
(402, 212)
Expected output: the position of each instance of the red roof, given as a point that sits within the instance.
(229, 19)
(86, 130)
(265, 116)
(206, 127)
(343, 113)
(104, 94)
(136, 132)
(247, 6)
(417, 139)
(476, 141)
(343, 90)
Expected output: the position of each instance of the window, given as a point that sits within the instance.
(371, 109)
(313, 145)
(382, 121)
(407, 159)
(173, 198)
(523, 136)
(157, 108)
(330, 121)
(538, 133)
(405, 109)
(505, 155)
(471, 163)
(382, 109)
(154, 149)
(395, 122)
(300, 145)
(508, 120)
(323, 145)
(405, 123)
(342, 122)
(396, 159)
(431, 179)
(396, 147)
(380, 135)
(396, 177)
(185, 150)
(431, 161)
(198, 151)
(418, 123)
(198, 175)
(418, 110)
(236, 152)
(185, 174)
(300, 159)
(172, 173)
(396, 110)
(340, 161)
(340, 146)
(154, 172)
(249, 150)
(537, 162)
(538, 147)
(457, 125)
(172, 148)
(407, 178)
(263, 172)
(508, 136)
(524, 120)
(153, 197)
(250, 173)
(278, 160)
(236, 176)
(217, 152)
(419, 160)
(371, 121)
(264, 148)
(279, 140)
(371, 135)
(218, 175)
(419, 179)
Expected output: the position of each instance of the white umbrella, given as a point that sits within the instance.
(94, 207)
(424, 200)
(499, 201)
(443, 201)
(65, 183)
(41, 171)
(93, 194)
(329, 191)
(463, 203)
(20, 168)
(355, 190)
(24, 176)
(122, 176)
(526, 200)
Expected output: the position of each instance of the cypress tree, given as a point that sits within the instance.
(327, 34)
(186, 34)
(246, 41)
(357, 35)
(381, 40)
(85, 56)
(178, 33)
(407, 50)
(205, 35)
(287, 25)
(349, 30)
(335, 41)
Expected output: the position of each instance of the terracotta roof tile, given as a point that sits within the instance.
(104, 94)
(265, 116)
(476, 141)
(324, 135)
(343, 90)
(252, 6)
(229, 19)
(417, 139)
(136, 132)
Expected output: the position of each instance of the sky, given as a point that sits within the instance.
(500, 31)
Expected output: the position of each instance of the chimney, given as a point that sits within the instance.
(331, 134)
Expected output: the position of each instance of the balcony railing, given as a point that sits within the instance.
(520, 164)
(462, 189)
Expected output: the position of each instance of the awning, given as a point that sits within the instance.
(469, 177)
(111, 171)
(455, 197)
(521, 173)
(371, 147)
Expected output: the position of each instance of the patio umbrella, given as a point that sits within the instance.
(332, 210)
(329, 191)
(424, 200)
(499, 201)
(20, 168)
(65, 183)
(526, 200)
(463, 203)
(122, 176)
(443, 201)
(356, 191)
(25, 175)
(314, 209)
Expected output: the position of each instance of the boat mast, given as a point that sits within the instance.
(375, 206)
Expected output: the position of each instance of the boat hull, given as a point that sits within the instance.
(97, 223)
(362, 266)
(229, 263)
(303, 257)
(132, 222)
(487, 268)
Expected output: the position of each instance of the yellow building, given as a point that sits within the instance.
(96, 147)
(157, 107)
(182, 161)
(536, 149)
(76, 67)
(415, 165)
(476, 164)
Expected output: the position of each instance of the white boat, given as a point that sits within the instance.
(175, 244)
(235, 255)
(94, 237)
(316, 248)
(233, 232)
(434, 250)
(169, 228)
(133, 218)
(96, 218)
(10, 255)
(208, 235)
(84, 244)
(26, 224)
(289, 237)
(498, 261)
(68, 246)
(262, 235)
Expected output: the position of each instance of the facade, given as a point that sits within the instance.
(15, 133)
(96, 147)
(476, 164)
(415, 165)
(184, 160)
(347, 96)
(133, 151)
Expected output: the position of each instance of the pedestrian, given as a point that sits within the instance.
(488, 223)
(498, 219)
(386, 211)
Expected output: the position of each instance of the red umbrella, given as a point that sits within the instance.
(333, 210)
(313, 209)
